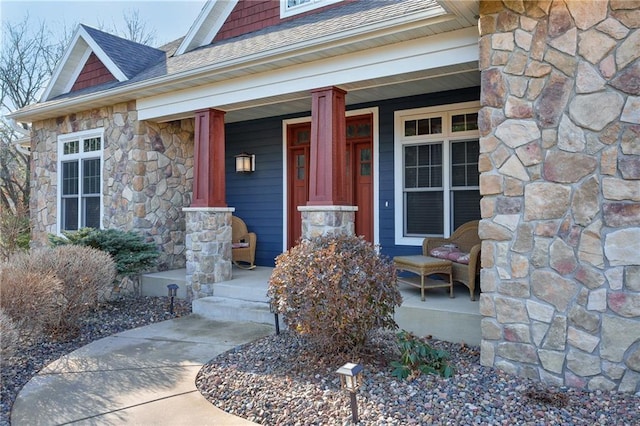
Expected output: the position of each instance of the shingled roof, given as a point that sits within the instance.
(130, 57)
(141, 64)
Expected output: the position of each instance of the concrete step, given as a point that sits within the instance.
(227, 309)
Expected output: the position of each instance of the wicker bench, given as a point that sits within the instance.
(424, 266)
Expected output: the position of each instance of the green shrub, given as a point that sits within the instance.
(129, 251)
(86, 277)
(334, 291)
(29, 297)
(418, 357)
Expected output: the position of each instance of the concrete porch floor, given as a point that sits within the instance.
(453, 319)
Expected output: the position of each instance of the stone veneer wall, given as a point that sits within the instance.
(147, 176)
(560, 176)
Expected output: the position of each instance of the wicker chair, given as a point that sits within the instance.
(467, 239)
(243, 244)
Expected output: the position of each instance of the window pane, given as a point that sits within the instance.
(436, 125)
(91, 176)
(424, 155)
(424, 212)
(92, 144)
(91, 213)
(472, 121)
(464, 122)
(70, 214)
(458, 176)
(69, 178)
(71, 147)
(410, 155)
(464, 163)
(410, 128)
(466, 206)
(410, 177)
(292, 3)
(423, 127)
(436, 176)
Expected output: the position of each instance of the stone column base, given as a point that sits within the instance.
(208, 244)
(327, 220)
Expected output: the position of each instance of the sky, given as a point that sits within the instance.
(170, 19)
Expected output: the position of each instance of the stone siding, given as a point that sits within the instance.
(209, 245)
(560, 179)
(147, 176)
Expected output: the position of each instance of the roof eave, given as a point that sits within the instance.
(136, 90)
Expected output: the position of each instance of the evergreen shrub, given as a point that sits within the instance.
(335, 290)
(129, 251)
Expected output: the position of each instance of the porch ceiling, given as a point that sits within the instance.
(453, 77)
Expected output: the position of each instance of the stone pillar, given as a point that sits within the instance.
(209, 152)
(208, 246)
(327, 220)
(327, 170)
(560, 179)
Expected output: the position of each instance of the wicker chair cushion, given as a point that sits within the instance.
(450, 252)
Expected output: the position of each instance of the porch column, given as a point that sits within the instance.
(208, 220)
(209, 171)
(327, 171)
(327, 212)
(208, 244)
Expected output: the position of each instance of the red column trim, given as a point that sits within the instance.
(209, 171)
(327, 171)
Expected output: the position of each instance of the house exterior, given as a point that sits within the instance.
(523, 114)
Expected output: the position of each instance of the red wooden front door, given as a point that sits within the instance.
(359, 174)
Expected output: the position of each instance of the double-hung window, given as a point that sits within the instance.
(437, 179)
(80, 180)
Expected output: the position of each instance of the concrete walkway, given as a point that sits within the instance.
(144, 376)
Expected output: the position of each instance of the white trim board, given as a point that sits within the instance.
(415, 55)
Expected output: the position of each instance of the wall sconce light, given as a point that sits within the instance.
(350, 380)
(245, 163)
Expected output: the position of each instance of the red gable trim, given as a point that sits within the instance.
(250, 15)
(93, 73)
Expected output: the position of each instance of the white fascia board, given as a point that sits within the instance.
(55, 76)
(441, 50)
(211, 18)
(72, 62)
(78, 68)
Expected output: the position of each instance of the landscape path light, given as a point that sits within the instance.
(350, 380)
(173, 292)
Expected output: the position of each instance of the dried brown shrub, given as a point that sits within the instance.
(28, 297)
(9, 336)
(335, 290)
(86, 275)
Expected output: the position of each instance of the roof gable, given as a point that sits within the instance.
(211, 18)
(114, 53)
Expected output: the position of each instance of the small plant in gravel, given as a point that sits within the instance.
(418, 357)
(334, 290)
(49, 289)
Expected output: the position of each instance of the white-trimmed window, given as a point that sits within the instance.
(436, 162)
(80, 180)
(294, 7)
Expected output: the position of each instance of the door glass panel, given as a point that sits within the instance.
(365, 162)
(364, 130)
(300, 167)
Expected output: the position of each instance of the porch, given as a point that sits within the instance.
(243, 298)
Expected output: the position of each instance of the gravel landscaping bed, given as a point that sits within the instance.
(107, 319)
(273, 382)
